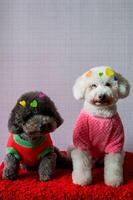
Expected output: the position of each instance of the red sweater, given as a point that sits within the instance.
(29, 154)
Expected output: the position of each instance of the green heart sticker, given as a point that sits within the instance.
(101, 74)
(34, 103)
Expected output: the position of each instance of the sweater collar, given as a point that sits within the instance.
(27, 144)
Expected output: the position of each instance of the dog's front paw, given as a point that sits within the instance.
(114, 181)
(83, 178)
(9, 174)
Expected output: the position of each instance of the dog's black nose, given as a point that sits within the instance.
(42, 127)
(102, 97)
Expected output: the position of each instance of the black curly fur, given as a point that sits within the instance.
(11, 168)
(47, 167)
(21, 116)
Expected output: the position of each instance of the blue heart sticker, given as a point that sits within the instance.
(115, 78)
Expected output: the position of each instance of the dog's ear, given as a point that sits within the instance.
(80, 87)
(56, 115)
(14, 124)
(52, 110)
(123, 86)
(58, 118)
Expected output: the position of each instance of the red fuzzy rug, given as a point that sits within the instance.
(28, 187)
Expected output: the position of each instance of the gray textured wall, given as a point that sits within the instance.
(46, 44)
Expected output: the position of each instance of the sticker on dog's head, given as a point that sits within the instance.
(88, 74)
(41, 95)
(34, 104)
(115, 78)
(103, 72)
(22, 103)
(109, 71)
(100, 74)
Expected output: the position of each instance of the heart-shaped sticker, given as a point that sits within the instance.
(34, 103)
(100, 74)
(88, 73)
(115, 78)
(109, 72)
(22, 103)
(41, 95)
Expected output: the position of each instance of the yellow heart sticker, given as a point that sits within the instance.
(109, 72)
(88, 73)
(22, 103)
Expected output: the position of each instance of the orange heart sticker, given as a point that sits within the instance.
(88, 74)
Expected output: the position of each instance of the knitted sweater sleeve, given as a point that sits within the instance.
(117, 140)
(81, 132)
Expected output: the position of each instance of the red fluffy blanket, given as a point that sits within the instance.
(28, 187)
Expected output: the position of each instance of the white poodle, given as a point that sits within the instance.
(98, 130)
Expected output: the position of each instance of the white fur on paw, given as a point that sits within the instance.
(114, 182)
(81, 178)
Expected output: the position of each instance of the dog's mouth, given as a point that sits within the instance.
(35, 128)
(102, 102)
(33, 132)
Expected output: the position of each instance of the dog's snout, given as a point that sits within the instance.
(102, 97)
(42, 127)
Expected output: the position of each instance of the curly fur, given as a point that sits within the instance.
(100, 98)
(47, 167)
(82, 164)
(19, 116)
(32, 124)
(11, 167)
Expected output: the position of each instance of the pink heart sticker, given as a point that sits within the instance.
(41, 95)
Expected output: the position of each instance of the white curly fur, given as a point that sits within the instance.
(81, 167)
(113, 171)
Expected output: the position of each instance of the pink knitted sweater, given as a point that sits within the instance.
(98, 135)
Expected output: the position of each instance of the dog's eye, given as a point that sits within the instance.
(108, 84)
(93, 86)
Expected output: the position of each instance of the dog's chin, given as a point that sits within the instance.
(32, 136)
(36, 135)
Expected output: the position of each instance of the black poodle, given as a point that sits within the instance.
(29, 144)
